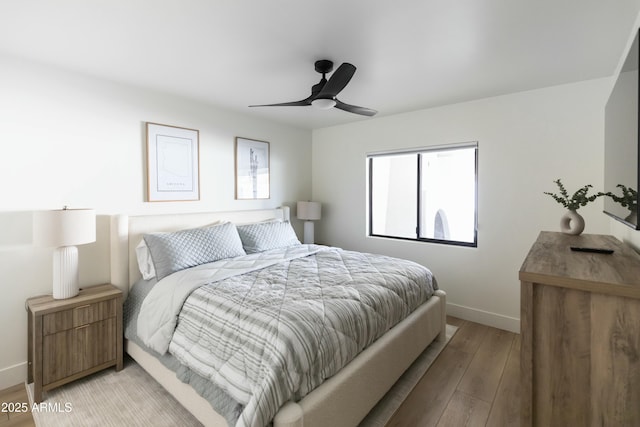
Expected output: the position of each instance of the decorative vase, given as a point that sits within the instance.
(572, 223)
(633, 216)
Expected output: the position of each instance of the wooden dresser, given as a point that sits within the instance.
(75, 337)
(580, 325)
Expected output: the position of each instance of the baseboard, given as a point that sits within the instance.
(12, 375)
(495, 320)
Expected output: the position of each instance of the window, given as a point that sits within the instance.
(427, 194)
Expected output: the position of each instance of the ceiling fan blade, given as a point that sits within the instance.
(301, 103)
(355, 109)
(337, 81)
(285, 104)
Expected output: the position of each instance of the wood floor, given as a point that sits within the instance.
(473, 382)
(9, 399)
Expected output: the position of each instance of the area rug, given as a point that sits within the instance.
(132, 398)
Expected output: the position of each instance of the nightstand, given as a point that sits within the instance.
(72, 338)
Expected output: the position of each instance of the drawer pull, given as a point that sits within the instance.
(82, 306)
(82, 327)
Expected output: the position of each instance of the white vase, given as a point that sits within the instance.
(572, 223)
(633, 216)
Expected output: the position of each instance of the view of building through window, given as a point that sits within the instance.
(427, 194)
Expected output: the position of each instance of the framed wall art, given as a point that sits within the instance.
(252, 169)
(172, 163)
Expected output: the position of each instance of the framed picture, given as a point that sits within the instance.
(172, 163)
(252, 169)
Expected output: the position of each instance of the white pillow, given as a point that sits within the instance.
(145, 263)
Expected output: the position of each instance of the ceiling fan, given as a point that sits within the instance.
(323, 94)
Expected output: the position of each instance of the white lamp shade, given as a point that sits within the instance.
(309, 211)
(64, 227)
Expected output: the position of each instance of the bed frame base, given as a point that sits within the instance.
(346, 398)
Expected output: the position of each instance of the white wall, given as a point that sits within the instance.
(526, 140)
(68, 139)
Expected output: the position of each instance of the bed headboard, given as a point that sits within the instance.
(127, 231)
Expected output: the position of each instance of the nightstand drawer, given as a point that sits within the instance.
(78, 316)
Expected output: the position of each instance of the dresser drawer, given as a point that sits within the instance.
(78, 316)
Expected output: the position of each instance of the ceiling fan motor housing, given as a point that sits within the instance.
(324, 66)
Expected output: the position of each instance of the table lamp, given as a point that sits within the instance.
(309, 212)
(64, 229)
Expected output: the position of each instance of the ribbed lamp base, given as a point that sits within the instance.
(308, 232)
(65, 272)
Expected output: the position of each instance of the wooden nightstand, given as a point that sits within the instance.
(75, 337)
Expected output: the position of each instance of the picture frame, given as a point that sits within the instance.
(172, 163)
(252, 173)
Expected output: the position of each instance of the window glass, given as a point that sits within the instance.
(394, 190)
(448, 195)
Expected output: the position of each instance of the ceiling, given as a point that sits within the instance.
(410, 54)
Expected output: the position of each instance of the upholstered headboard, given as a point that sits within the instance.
(127, 231)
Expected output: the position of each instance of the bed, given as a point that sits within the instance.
(345, 398)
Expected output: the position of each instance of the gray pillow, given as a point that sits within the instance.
(176, 251)
(262, 236)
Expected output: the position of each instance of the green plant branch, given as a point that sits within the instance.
(629, 198)
(578, 199)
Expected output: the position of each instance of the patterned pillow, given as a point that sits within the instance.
(176, 251)
(262, 236)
